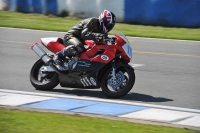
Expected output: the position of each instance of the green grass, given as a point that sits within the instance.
(16, 121)
(53, 23)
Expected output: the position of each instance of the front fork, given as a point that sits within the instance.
(113, 74)
(117, 77)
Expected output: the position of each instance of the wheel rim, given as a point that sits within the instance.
(43, 77)
(118, 84)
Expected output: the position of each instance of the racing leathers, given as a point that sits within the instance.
(88, 29)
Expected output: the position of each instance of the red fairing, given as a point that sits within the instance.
(92, 53)
(53, 44)
(95, 51)
(120, 43)
(91, 43)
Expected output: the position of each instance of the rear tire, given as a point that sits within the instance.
(124, 88)
(48, 83)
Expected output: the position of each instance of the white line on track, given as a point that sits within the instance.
(162, 39)
(136, 65)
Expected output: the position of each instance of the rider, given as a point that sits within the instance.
(89, 29)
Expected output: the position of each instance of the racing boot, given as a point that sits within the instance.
(61, 58)
(58, 62)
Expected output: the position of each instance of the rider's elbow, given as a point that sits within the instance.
(85, 34)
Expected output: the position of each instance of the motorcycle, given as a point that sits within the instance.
(102, 66)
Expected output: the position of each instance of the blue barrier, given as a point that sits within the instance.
(179, 13)
(23, 6)
(51, 7)
(11, 4)
(36, 6)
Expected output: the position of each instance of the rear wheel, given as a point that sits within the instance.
(120, 85)
(43, 81)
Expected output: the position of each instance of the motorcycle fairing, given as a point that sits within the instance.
(124, 48)
(54, 44)
(96, 51)
(84, 74)
(99, 52)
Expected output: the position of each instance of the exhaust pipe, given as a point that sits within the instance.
(41, 53)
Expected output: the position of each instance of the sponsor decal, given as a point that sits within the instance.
(86, 82)
(93, 81)
(83, 64)
(104, 57)
(82, 82)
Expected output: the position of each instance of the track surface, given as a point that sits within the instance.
(170, 74)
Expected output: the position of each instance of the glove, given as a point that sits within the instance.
(112, 40)
(102, 37)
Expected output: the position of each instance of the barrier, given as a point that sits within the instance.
(36, 6)
(3, 4)
(51, 7)
(178, 13)
(93, 8)
(11, 4)
(23, 6)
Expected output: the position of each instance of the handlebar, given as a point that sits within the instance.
(111, 40)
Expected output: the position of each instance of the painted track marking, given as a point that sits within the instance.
(166, 54)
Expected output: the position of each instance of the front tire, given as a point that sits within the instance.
(120, 88)
(48, 82)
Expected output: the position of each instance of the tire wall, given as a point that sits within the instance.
(178, 13)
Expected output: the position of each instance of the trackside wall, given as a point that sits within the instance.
(178, 13)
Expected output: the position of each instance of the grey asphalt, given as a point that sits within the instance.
(170, 74)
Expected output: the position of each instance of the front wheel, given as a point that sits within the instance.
(120, 84)
(43, 81)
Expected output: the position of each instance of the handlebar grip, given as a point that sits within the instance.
(111, 40)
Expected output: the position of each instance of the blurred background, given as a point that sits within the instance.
(169, 13)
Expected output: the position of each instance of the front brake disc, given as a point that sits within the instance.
(114, 83)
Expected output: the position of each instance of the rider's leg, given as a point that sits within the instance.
(77, 43)
(74, 48)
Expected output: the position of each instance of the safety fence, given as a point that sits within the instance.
(179, 13)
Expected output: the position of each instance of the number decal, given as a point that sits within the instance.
(104, 57)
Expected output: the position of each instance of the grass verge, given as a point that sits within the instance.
(18, 121)
(53, 23)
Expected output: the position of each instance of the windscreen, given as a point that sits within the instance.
(119, 33)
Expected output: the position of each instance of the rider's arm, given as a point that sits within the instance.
(87, 34)
(91, 31)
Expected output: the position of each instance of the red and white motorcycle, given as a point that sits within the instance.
(102, 66)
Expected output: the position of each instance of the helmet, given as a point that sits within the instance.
(107, 20)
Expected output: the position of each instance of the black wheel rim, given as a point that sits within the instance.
(42, 77)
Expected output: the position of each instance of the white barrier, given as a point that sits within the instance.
(91, 8)
(3, 4)
(78, 8)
